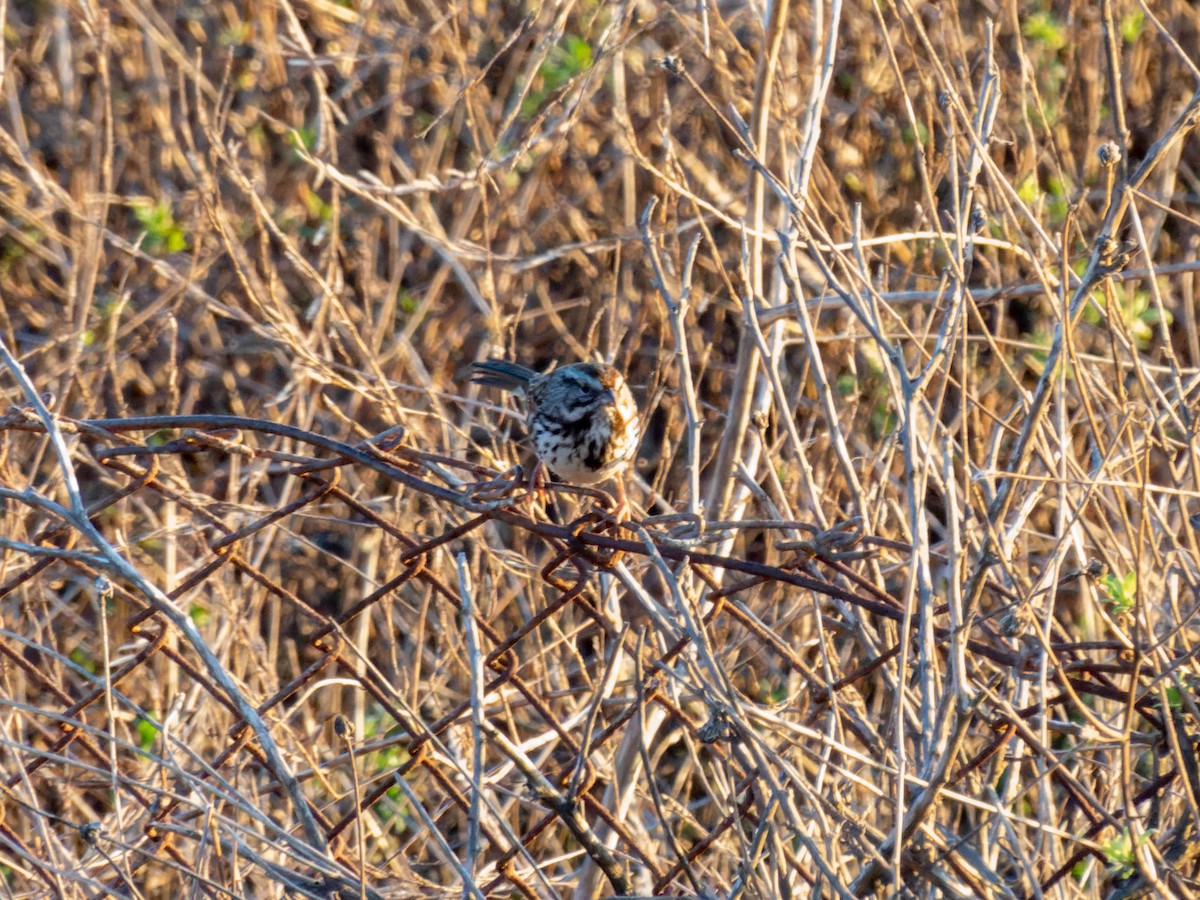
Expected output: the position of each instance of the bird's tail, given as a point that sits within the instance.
(501, 373)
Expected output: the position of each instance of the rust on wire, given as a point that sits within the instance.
(553, 623)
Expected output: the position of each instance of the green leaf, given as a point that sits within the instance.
(83, 659)
(1120, 591)
(562, 63)
(580, 51)
(1029, 190)
(1132, 25)
(910, 137)
(317, 208)
(1119, 852)
(302, 138)
(1042, 28)
(163, 233)
(147, 733)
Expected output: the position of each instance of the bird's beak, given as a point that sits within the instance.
(608, 397)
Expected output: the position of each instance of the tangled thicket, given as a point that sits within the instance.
(907, 603)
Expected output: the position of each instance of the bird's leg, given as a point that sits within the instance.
(622, 511)
(538, 492)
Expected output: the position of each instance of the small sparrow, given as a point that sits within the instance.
(581, 418)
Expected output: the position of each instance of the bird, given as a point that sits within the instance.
(582, 418)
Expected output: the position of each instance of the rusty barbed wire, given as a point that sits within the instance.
(533, 741)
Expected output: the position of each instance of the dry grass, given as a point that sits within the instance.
(907, 295)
